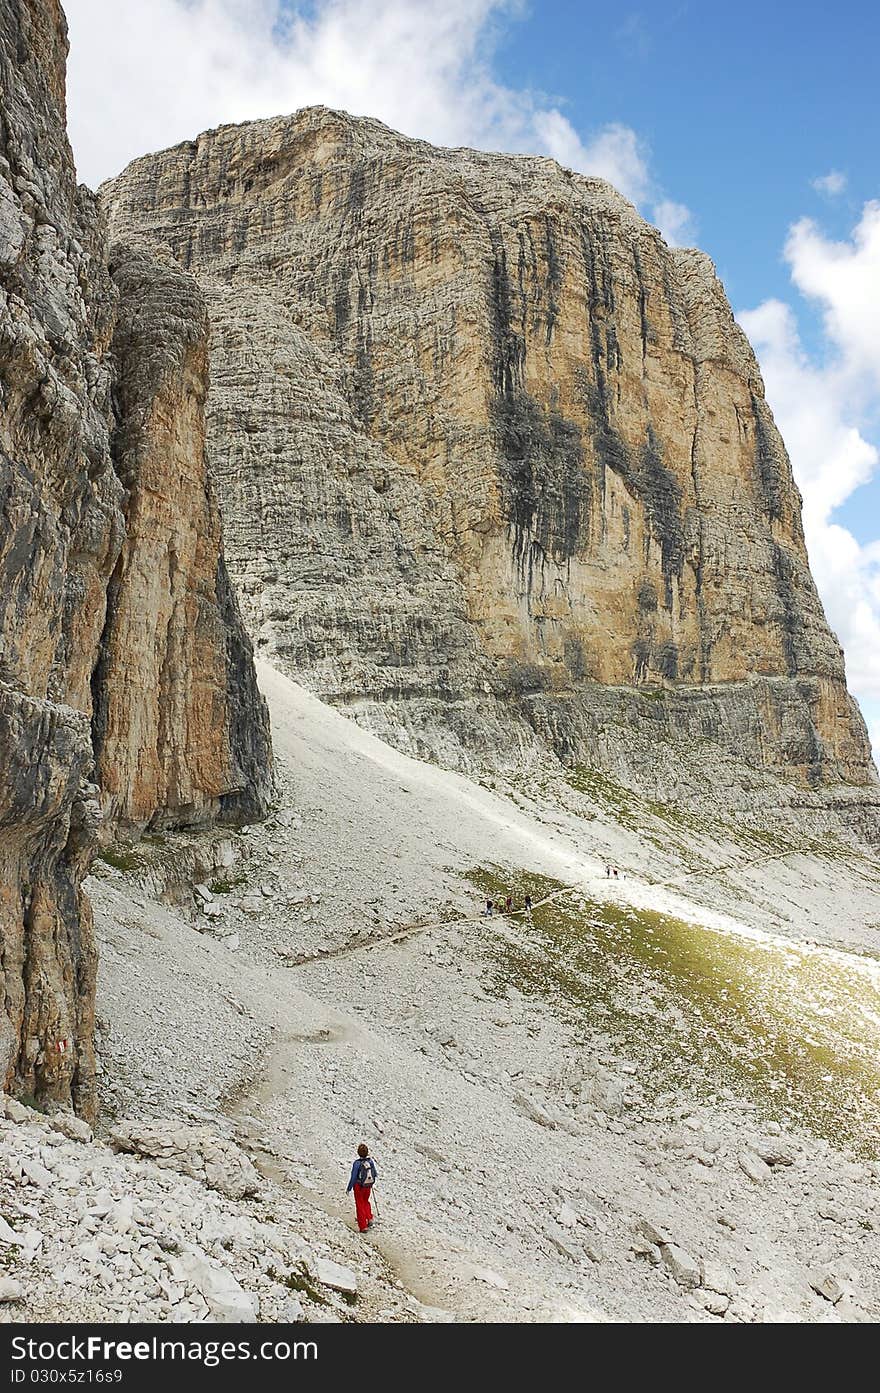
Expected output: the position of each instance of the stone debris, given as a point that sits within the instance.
(225, 1298)
(122, 1236)
(194, 1151)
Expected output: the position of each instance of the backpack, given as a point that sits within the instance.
(366, 1174)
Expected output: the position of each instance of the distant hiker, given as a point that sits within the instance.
(363, 1178)
(615, 872)
(488, 906)
(608, 870)
(529, 905)
(508, 903)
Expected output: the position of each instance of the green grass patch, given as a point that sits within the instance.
(227, 884)
(795, 1031)
(300, 1281)
(121, 858)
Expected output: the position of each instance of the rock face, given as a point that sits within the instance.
(495, 462)
(179, 727)
(114, 604)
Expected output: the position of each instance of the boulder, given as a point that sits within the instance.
(74, 1128)
(8, 1234)
(717, 1278)
(754, 1167)
(17, 1112)
(492, 1279)
(826, 1284)
(534, 1111)
(337, 1278)
(684, 1268)
(10, 1289)
(194, 1151)
(654, 1233)
(226, 1300)
(847, 1311)
(773, 1151)
(36, 1174)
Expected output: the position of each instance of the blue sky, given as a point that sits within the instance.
(741, 105)
(750, 130)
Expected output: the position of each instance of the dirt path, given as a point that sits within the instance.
(365, 941)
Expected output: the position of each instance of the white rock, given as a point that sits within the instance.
(718, 1279)
(562, 1247)
(754, 1167)
(10, 1290)
(226, 1300)
(774, 1151)
(567, 1217)
(17, 1112)
(36, 1174)
(8, 1234)
(121, 1215)
(713, 1301)
(684, 1268)
(646, 1228)
(332, 1275)
(492, 1279)
(847, 1311)
(534, 1111)
(826, 1284)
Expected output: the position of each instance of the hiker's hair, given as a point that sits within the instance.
(363, 1150)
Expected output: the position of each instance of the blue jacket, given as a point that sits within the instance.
(358, 1162)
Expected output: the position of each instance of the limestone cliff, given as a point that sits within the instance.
(117, 625)
(494, 461)
(179, 726)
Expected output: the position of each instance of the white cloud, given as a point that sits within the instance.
(832, 183)
(826, 411)
(675, 222)
(871, 712)
(844, 279)
(615, 154)
(145, 76)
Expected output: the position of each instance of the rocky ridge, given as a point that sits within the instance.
(496, 465)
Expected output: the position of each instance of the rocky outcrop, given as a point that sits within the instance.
(86, 488)
(193, 1151)
(495, 462)
(179, 726)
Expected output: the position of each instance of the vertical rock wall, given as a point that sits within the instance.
(81, 513)
(493, 459)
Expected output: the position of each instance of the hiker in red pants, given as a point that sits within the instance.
(363, 1178)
